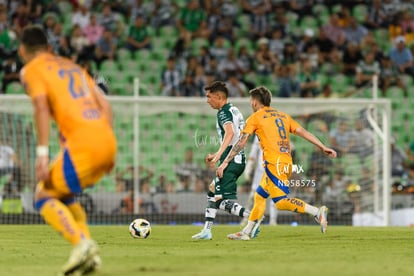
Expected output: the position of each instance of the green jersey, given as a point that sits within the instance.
(138, 33)
(192, 18)
(230, 114)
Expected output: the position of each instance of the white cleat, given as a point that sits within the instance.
(256, 230)
(239, 236)
(91, 265)
(322, 218)
(80, 256)
(203, 235)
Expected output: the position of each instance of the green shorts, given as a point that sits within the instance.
(227, 185)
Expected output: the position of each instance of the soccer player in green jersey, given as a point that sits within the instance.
(223, 191)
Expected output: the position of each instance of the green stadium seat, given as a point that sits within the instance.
(320, 9)
(169, 32)
(244, 22)
(339, 83)
(395, 92)
(359, 12)
(381, 34)
(407, 80)
(292, 19)
(309, 22)
(243, 41)
(396, 104)
(109, 65)
(123, 54)
(131, 65)
(14, 88)
(336, 8)
(109, 74)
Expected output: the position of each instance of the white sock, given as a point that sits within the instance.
(208, 224)
(312, 210)
(249, 227)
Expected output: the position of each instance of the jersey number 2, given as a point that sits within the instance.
(76, 93)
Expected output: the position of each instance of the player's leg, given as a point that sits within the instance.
(90, 172)
(279, 191)
(249, 205)
(79, 215)
(256, 214)
(54, 212)
(226, 191)
(257, 178)
(272, 214)
(210, 215)
(299, 206)
(50, 201)
(59, 217)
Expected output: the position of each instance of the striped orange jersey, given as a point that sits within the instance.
(272, 127)
(67, 87)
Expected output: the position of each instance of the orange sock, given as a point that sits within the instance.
(259, 207)
(291, 204)
(57, 215)
(80, 217)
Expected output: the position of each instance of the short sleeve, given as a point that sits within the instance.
(293, 125)
(251, 125)
(32, 82)
(224, 116)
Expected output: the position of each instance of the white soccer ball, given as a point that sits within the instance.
(140, 228)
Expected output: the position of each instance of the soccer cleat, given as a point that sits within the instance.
(239, 236)
(322, 218)
(81, 254)
(91, 265)
(203, 235)
(256, 228)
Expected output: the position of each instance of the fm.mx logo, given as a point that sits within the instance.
(284, 168)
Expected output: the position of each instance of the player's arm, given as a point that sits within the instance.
(42, 120)
(228, 136)
(300, 131)
(241, 143)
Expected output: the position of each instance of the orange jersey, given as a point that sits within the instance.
(89, 145)
(272, 127)
(68, 89)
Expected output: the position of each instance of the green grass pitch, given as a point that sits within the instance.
(32, 250)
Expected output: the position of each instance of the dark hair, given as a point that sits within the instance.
(217, 86)
(262, 94)
(33, 38)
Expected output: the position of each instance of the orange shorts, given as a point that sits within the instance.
(80, 165)
(275, 181)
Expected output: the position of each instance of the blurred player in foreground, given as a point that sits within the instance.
(223, 190)
(273, 128)
(63, 91)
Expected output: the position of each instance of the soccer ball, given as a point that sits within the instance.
(140, 228)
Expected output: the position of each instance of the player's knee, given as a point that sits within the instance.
(38, 204)
(228, 205)
(212, 204)
(68, 201)
(276, 200)
(211, 187)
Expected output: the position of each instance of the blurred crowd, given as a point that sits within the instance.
(300, 48)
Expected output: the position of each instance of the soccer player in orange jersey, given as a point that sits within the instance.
(273, 127)
(63, 91)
